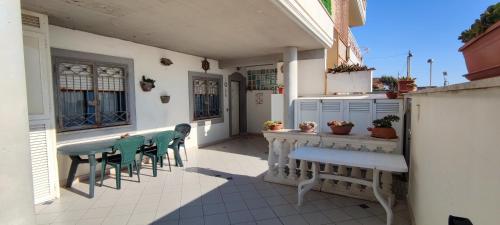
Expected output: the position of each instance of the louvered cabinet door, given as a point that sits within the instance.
(331, 110)
(42, 164)
(40, 106)
(306, 110)
(360, 113)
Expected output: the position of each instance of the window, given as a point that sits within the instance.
(90, 94)
(262, 79)
(206, 96)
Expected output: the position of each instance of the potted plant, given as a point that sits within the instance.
(390, 84)
(307, 126)
(147, 83)
(482, 45)
(382, 128)
(281, 89)
(273, 125)
(406, 84)
(340, 127)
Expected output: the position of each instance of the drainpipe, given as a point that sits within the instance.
(16, 185)
(291, 85)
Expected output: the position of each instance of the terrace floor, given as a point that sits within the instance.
(220, 185)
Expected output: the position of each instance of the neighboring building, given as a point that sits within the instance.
(345, 49)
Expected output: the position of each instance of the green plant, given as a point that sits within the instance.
(486, 20)
(340, 123)
(390, 82)
(409, 78)
(344, 68)
(148, 80)
(271, 123)
(385, 122)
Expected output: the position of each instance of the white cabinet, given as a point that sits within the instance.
(40, 106)
(359, 111)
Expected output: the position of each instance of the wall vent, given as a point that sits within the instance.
(39, 161)
(308, 106)
(387, 107)
(331, 106)
(30, 20)
(359, 107)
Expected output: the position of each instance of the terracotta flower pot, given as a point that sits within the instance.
(482, 54)
(405, 86)
(391, 94)
(276, 127)
(383, 132)
(307, 129)
(343, 130)
(281, 90)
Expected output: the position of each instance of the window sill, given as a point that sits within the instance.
(206, 122)
(78, 135)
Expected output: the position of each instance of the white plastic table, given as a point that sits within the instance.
(367, 160)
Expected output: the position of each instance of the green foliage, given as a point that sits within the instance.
(385, 122)
(271, 123)
(148, 80)
(328, 5)
(390, 82)
(343, 68)
(486, 20)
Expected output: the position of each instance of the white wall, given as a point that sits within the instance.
(16, 185)
(352, 82)
(311, 77)
(257, 114)
(151, 114)
(455, 155)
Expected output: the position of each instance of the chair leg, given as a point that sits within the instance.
(168, 160)
(185, 151)
(155, 162)
(161, 161)
(137, 169)
(103, 171)
(118, 169)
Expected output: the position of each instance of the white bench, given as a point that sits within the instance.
(367, 160)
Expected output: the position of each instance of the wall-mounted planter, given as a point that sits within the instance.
(165, 99)
(146, 86)
(349, 82)
(482, 54)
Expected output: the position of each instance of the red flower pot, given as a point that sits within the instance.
(391, 95)
(276, 127)
(281, 90)
(343, 130)
(482, 54)
(383, 132)
(307, 129)
(405, 86)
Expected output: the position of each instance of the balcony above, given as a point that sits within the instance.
(357, 12)
(218, 29)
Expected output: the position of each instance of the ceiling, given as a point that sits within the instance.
(218, 29)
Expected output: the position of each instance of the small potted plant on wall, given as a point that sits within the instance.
(406, 84)
(382, 128)
(281, 89)
(482, 45)
(340, 127)
(147, 84)
(273, 125)
(390, 84)
(308, 126)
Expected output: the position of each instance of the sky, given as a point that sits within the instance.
(429, 28)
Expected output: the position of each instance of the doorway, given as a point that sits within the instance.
(237, 104)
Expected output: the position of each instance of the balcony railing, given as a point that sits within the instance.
(353, 44)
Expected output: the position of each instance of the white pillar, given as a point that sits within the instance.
(291, 84)
(16, 185)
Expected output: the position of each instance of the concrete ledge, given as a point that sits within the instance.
(479, 84)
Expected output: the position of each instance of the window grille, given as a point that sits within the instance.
(90, 95)
(206, 98)
(262, 79)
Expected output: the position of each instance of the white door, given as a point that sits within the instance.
(235, 108)
(40, 107)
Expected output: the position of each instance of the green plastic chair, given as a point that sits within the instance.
(161, 143)
(128, 148)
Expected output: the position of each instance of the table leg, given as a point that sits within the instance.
(380, 198)
(92, 163)
(306, 185)
(75, 160)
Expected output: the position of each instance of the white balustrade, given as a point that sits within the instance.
(284, 170)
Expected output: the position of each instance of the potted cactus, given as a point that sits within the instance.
(273, 125)
(382, 128)
(340, 127)
(308, 126)
(482, 45)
